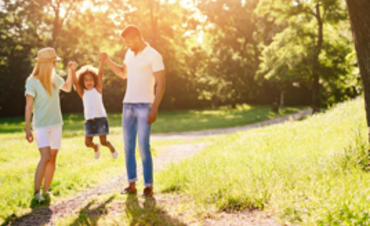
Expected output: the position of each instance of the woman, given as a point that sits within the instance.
(42, 97)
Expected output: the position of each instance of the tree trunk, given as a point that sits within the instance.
(359, 14)
(316, 63)
(56, 25)
(153, 21)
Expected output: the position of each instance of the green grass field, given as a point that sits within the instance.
(310, 172)
(76, 168)
(174, 121)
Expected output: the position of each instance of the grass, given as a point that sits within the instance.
(76, 168)
(174, 121)
(311, 172)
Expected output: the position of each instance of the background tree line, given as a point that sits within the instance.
(216, 52)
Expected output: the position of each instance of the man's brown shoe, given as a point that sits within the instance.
(148, 191)
(129, 190)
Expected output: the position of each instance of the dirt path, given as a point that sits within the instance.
(170, 154)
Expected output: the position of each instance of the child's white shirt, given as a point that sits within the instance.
(93, 104)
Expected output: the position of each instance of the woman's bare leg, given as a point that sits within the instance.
(40, 171)
(50, 169)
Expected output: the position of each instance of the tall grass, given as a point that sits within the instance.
(310, 172)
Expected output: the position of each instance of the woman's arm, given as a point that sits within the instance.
(72, 69)
(27, 116)
(67, 86)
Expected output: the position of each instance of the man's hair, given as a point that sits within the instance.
(131, 29)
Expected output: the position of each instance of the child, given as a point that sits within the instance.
(89, 86)
(42, 100)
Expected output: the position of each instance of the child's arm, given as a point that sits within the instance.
(99, 84)
(72, 66)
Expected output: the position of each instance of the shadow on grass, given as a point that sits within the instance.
(149, 214)
(90, 215)
(40, 215)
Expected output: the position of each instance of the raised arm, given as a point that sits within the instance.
(160, 81)
(27, 116)
(67, 86)
(72, 66)
(99, 85)
(119, 70)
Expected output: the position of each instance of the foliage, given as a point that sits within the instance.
(215, 52)
(287, 60)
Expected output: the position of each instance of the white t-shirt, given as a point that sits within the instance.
(140, 78)
(93, 104)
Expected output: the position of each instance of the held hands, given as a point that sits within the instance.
(103, 56)
(29, 136)
(72, 65)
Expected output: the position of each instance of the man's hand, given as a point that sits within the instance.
(103, 56)
(152, 116)
(29, 135)
(72, 65)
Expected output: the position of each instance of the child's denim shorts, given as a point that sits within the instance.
(96, 127)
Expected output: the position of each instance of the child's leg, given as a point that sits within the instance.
(89, 143)
(105, 142)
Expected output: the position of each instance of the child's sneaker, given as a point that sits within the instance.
(39, 197)
(115, 154)
(97, 152)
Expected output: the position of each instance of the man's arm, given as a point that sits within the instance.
(119, 70)
(160, 81)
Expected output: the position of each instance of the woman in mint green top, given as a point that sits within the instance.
(42, 100)
(47, 107)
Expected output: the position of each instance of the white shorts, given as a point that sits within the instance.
(49, 137)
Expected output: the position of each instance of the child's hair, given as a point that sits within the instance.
(83, 71)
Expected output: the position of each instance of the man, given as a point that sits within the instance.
(143, 67)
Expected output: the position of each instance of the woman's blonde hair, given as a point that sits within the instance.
(44, 72)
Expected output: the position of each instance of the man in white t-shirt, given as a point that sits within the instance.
(144, 70)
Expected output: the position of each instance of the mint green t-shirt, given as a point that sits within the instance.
(46, 108)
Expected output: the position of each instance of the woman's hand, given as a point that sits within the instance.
(29, 135)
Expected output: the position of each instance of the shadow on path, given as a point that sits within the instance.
(90, 215)
(148, 214)
(42, 211)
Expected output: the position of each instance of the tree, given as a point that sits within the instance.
(230, 52)
(299, 52)
(360, 21)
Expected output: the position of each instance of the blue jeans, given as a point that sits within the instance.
(135, 122)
